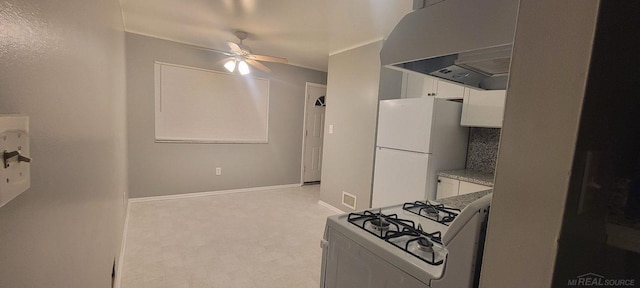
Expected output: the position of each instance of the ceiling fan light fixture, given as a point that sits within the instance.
(230, 65)
(243, 68)
(243, 57)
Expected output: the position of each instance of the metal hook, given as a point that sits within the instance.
(6, 156)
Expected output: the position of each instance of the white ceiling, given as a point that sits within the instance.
(305, 32)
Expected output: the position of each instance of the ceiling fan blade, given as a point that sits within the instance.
(234, 47)
(232, 55)
(258, 65)
(268, 58)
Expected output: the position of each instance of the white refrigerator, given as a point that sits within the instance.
(417, 137)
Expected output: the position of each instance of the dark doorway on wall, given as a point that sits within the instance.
(600, 238)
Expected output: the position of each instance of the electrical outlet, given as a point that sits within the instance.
(218, 171)
(331, 129)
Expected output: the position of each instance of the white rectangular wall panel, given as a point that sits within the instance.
(14, 171)
(197, 105)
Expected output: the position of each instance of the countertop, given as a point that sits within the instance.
(472, 176)
(462, 201)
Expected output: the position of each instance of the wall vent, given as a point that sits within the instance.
(349, 200)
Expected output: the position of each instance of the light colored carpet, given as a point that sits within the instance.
(250, 239)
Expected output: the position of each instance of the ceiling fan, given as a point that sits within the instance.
(241, 56)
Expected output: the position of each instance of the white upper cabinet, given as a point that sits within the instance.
(413, 85)
(448, 90)
(416, 85)
(483, 108)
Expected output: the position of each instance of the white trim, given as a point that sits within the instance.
(209, 49)
(211, 193)
(118, 280)
(304, 129)
(331, 207)
(356, 46)
(304, 122)
(321, 69)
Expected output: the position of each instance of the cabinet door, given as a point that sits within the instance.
(448, 90)
(447, 187)
(429, 86)
(468, 187)
(414, 85)
(483, 108)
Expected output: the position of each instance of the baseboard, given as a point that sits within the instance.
(331, 207)
(118, 279)
(211, 193)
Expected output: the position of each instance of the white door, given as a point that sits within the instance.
(399, 177)
(313, 132)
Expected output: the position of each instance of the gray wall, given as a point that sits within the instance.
(549, 67)
(352, 105)
(157, 169)
(62, 64)
(390, 84)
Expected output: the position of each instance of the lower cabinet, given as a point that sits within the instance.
(449, 187)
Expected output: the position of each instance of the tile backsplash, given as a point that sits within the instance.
(483, 149)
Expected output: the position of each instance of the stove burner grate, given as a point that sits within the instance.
(400, 233)
(436, 212)
(380, 224)
(423, 250)
(425, 245)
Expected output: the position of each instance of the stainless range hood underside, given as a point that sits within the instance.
(464, 36)
(485, 68)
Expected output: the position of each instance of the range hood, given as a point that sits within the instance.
(464, 41)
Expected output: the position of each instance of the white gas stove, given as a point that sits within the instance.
(419, 244)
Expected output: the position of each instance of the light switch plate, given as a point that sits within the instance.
(15, 175)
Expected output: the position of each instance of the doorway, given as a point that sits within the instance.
(313, 133)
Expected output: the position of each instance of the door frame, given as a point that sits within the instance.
(304, 124)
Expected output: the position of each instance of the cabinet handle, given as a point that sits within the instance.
(439, 181)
